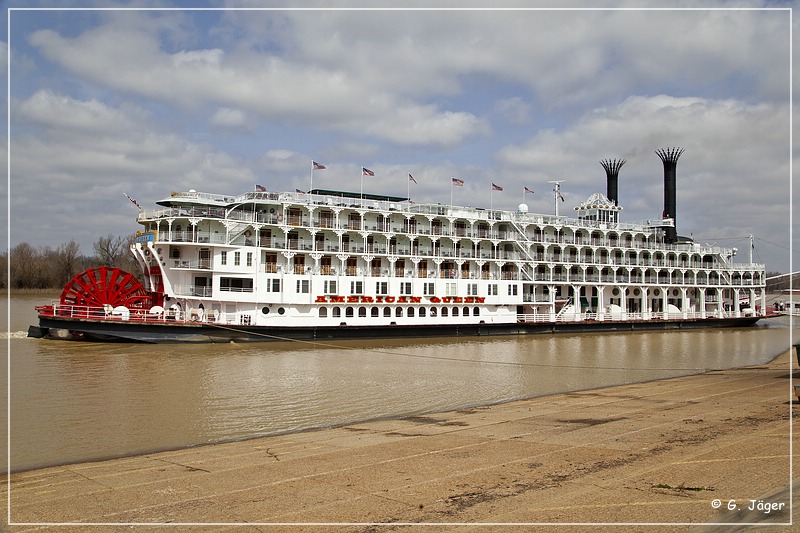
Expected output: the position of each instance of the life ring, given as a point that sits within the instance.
(280, 218)
(247, 233)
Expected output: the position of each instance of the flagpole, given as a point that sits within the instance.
(451, 195)
(408, 193)
(311, 183)
(491, 201)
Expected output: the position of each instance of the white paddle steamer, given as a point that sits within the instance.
(332, 264)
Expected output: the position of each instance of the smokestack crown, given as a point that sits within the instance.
(612, 167)
(669, 156)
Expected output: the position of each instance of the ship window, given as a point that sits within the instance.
(444, 311)
(249, 259)
(223, 258)
(405, 287)
(472, 289)
(330, 287)
(303, 286)
(375, 312)
(237, 258)
(398, 312)
(476, 311)
(410, 312)
(265, 310)
(281, 311)
(362, 312)
(427, 289)
(356, 287)
(433, 311)
(387, 311)
(492, 289)
(381, 287)
(512, 290)
(348, 312)
(450, 289)
(337, 312)
(323, 312)
(236, 284)
(422, 311)
(466, 311)
(455, 311)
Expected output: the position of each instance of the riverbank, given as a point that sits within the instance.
(673, 452)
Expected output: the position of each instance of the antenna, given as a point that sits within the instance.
(557, 193)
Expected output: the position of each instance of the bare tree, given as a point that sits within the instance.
(114, 251)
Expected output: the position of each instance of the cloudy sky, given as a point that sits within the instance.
(145, 102)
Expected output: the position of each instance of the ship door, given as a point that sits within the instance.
(294, 240)
(352, 266)
(201, 286)
(205, 258)
(326, 267)
(299, 264)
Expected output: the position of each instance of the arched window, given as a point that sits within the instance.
(323, 312)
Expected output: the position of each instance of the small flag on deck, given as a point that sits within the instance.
(318, 166)
(134, 202)
(496, 187)
(366, 172)
(260, 188)
(411, 178)
(528, 190)
(457, 182)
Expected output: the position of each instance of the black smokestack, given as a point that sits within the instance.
(612, 167)
(669, 157)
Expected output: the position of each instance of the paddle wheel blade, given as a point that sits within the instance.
(97, 287)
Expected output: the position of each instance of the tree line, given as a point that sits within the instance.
(28, 267)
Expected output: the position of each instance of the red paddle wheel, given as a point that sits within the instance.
(97, 287)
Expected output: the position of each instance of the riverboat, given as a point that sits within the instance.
(326, 264)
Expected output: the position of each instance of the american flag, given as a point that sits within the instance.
(457, 182)
(134, 202)
(496, 187)
(528, 190)
(260, 188)
(318, 166)
(366, 172)
(411, 178)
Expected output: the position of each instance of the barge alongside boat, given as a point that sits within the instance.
(330, 264)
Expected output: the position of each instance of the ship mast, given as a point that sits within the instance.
(557, 193)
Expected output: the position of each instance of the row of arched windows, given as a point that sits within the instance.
(375, 312)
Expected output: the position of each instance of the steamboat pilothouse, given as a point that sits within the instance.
(332, 264)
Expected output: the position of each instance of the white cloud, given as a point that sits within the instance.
(139, 101)
(732, 150)
(514, 109)
(229, 118)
